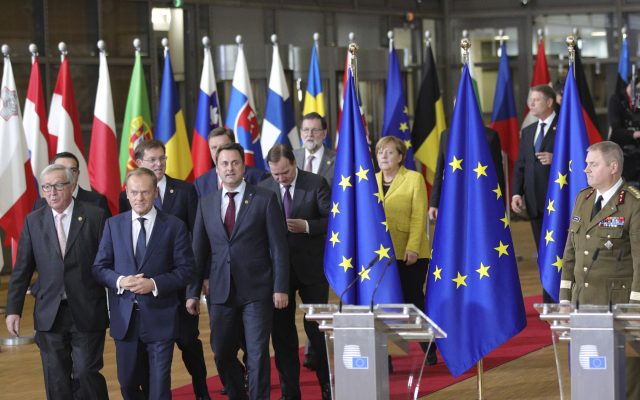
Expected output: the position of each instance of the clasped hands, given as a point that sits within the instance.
(137, 284)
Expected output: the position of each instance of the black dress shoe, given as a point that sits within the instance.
(326, 391)
(310, 362)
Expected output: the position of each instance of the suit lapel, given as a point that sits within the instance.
(325, 163)
(299, 193)
(397, 182)
(77, 220)
(49, 229)
(152, 243)
(300, 159)
(249, 192)
(169, 195)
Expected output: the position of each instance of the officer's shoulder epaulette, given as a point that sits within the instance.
(633, 191)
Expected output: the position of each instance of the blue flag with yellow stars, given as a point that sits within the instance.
(357, 232)
(566, 180)
(473, 289)
(396, 113)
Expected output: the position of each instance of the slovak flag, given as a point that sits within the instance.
(64, 122)
(35, 122)
(278, 126)
(241, 116)
(207, 116)
(16, 179)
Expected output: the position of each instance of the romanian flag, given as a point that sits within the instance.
(588, 111)
(170, 126)
(429, 119)
(137, 119)
(504, 118)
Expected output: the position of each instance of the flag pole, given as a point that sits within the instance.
(505, 157)
(571, 46)
(62, 47)
(423, 168)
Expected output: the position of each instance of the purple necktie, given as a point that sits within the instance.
(286, 202)
(309, 166)
(230, 215)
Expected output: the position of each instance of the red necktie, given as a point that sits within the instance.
(230, 215)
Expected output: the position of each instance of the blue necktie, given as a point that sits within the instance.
(158, 201)
(141, 244)
(537, 146)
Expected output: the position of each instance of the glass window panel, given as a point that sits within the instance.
(592, 33)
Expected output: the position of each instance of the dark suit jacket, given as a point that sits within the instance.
(208, 183)
(496, 155)
(168, 260)
(39, 251)
(311, 202)
(179, 200)
(255, 257)
(530, 178)
(86, 196)
(327, 164)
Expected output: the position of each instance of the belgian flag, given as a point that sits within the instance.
(429, 119)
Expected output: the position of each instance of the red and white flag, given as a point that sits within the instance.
(104, 170)
(41, 147)
(16, 178)
(64, 122)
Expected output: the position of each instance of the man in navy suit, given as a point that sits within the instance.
(60, 241)
(210, 182)
(178, 198)
(305, 199)
(240, 238)
(533, 166)
(70, 161)
(144, 259)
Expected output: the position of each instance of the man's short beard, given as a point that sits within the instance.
(312, 147)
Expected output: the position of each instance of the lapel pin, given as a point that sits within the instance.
(328, 162)
(608, 245)
(79, 218)
(170, 190)
(246, 202)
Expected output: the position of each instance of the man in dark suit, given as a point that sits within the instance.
(240, 238)
(314, 156)
(532, 168)
(496, 155)
(210, 182)
(178, 198)
(70, 161)
(60, 241)
(305, 199)
(144, 259)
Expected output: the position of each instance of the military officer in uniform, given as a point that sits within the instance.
(601, 262)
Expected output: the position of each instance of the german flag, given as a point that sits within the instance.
(429, 119)
(588, 111)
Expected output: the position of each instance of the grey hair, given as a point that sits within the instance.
(57, 167)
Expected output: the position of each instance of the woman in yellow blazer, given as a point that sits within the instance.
(405, 205)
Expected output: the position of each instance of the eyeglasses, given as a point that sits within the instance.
(154, 160)
(57, 186)
(313, 131)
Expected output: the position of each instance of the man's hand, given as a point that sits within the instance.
(517, 204)
(296, 225)
(544, 157)
(128, 281)
(410, 257)
(280, 300)
(13, 324)
(205, 287)
(141, 285)
(433, 213)
(193, 306)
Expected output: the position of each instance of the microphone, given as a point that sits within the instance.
(593, 260)
(375, 289)
(353, 282)
(620, 255)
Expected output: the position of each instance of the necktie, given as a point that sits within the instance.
(596, 207)
(141, 244)
(62, 238)
(537, 146)
(158, 201)
(287, 201)
(230, 215)
(309, 166)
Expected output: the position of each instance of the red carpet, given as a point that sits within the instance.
(534, 337)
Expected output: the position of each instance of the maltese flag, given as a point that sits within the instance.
(241, 114)
(64, 122)
(278, 125)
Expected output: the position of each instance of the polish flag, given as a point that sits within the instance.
(104, 171)
(35, 122)
(16, 178)
(64, 122)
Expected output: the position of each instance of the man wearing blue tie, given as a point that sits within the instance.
(144, 259)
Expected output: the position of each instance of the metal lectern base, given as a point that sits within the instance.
(16, 341)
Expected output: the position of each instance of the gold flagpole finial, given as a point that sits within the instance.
(571, 47)
(465, 44)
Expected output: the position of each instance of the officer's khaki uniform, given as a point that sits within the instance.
(614, 275)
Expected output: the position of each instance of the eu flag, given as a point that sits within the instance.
(396, 113)
(473, 289)
(357, 232)
(566, 180)
(624, 68)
